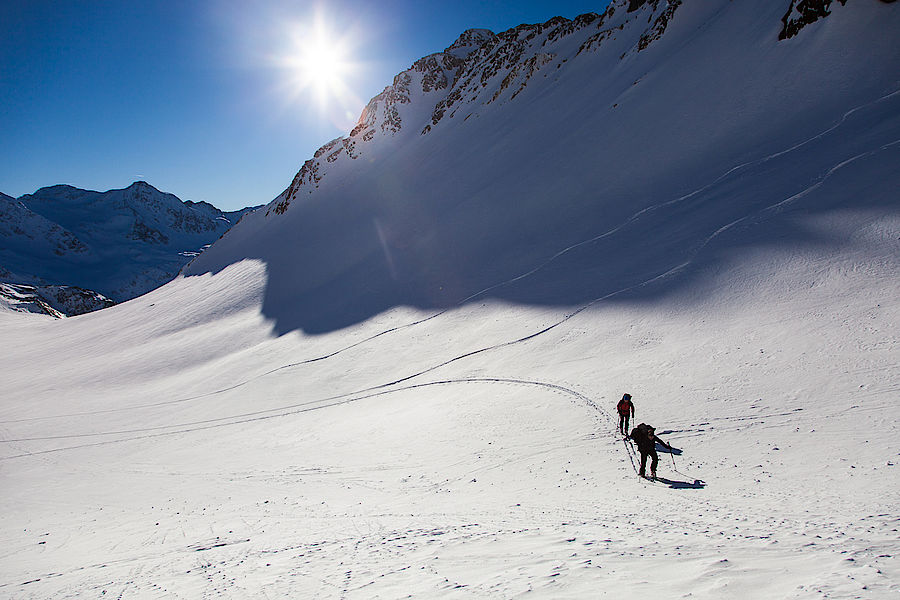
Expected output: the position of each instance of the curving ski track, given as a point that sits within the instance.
(380, 389)
(188, 427)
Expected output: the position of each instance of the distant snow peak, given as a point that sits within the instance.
(121, 242)
(20, 227)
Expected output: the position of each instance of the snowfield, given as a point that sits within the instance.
(283, 421)
(148, 462)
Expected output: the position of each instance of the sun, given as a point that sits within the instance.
(319, 64)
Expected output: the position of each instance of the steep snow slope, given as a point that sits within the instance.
(717, 120)
(233, 434)
(121, 242)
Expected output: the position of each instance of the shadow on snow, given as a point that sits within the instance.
(697, 484)
(389, 239)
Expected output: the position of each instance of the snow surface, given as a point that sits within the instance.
(230, 435)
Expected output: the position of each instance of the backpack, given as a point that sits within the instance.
(641, 433)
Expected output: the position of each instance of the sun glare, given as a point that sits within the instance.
(318, 67)
(320, 64)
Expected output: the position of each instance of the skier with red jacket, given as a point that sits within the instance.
(625, 409)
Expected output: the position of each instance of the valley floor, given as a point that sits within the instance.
(457, 457)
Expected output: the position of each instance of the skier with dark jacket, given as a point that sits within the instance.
(625, 408)
(644, 436)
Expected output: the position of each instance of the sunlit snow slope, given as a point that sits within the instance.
(399, 379)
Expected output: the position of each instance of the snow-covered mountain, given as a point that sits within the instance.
(121, 243)
(399, 379)
(642, 127)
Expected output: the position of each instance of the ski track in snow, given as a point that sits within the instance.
(366, 392)
(285, 411)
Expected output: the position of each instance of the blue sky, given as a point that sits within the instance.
(203, 99)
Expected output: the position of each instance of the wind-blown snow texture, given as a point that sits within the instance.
(121, 243)
(398, 379)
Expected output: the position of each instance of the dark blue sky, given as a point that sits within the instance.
(197, 98)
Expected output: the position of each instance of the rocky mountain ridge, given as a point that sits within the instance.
(480, 68)
(57, 301)
(802, 13)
